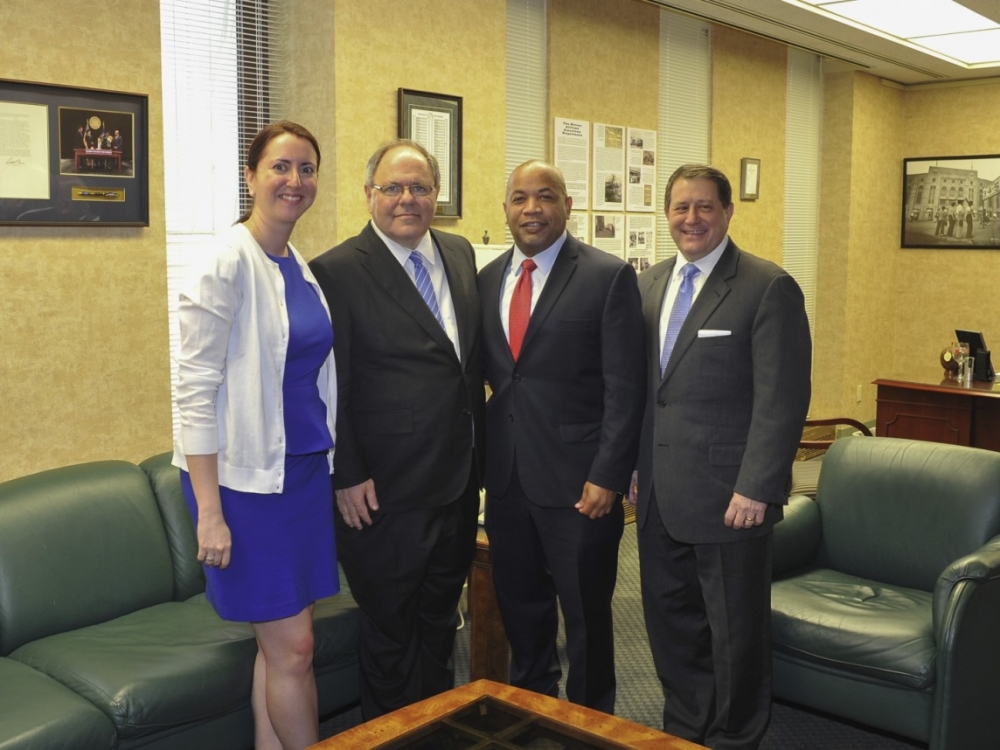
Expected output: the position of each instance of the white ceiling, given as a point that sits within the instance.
(842, 45)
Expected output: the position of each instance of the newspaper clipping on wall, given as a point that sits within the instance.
(640, 241)
(609, 233)
(578, 226)
(609, 167)
(572, 147)
(641, 190)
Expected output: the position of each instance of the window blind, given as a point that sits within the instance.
(217, 70)
(527, 82)
(685, 107)
(803, 131)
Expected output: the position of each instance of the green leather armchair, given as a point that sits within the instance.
(885, 604)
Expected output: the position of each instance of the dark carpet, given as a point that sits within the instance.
(639, 696)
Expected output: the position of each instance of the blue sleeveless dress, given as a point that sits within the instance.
(283, 555)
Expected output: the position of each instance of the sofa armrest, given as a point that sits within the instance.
(165, 480)
(966, 613)
(981, 566)
(797, 536)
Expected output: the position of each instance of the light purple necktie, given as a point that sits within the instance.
(682, 304)
(424, 285)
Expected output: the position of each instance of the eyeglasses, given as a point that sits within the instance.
(395, 191)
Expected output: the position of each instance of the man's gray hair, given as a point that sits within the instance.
(388, 146)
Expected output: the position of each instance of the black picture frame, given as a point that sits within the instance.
(938, 192)
(54, 170)
(419, 113)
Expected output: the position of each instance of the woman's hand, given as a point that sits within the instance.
(215, 545)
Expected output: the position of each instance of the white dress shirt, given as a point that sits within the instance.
(439, 279)
(705, 266)
(544, 260)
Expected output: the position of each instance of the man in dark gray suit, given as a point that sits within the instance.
(564, 354)
(729, 355)
(407, 464)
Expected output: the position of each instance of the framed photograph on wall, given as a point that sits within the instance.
(435, 122)
(749, 179)
(951, 201)
(72, 157)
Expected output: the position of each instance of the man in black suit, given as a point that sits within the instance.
(564, 354)
(406, 323)
(729, 390)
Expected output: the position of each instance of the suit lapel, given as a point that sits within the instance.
(562, 270)
(493, 279)
(651, 306)
(711, 295)
(390, 275)
(461, 284)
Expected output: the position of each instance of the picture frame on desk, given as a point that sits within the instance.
(73, 156)
(951, 202)
(435, 122)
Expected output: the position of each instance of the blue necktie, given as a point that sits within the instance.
(424, 285)
(682, 304)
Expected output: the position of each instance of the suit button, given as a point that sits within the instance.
(661, 404)
(510, 417)
(517, 378)
(466, 410)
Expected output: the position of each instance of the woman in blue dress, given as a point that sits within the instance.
(257, 396)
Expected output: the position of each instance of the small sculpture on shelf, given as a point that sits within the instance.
(957, 363)
(948, 361)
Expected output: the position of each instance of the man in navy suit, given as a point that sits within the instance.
(565, 359)
(408, 458)
(726, 406)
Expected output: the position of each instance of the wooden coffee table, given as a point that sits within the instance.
(488, 714)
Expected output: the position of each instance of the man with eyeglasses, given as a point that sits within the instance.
(406, 325)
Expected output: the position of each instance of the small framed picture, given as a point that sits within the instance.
(749, 179)
(435, 122)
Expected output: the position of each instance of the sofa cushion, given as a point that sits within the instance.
(854, 625)
(37, 713)
(336, 629)
(78, 545)
(189, 578)
(168, 665)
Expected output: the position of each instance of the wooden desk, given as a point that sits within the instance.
(939, 409)
(489, 651)
(603, 730)
(96, 153)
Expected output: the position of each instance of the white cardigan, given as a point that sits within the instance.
(233, 343)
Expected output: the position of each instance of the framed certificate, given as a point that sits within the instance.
(72, 157)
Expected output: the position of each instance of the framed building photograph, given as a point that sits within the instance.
(72, 157)
(951, 201)
(435, 122)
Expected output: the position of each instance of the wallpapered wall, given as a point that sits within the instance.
(84, 362)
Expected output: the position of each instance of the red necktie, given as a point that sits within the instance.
(520, 307)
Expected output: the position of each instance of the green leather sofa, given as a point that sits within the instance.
(885, 602)
(106, 639)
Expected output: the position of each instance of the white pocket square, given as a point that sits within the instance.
(709, 333)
